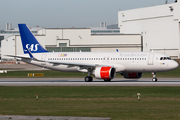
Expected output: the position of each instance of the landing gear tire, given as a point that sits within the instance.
(88, 79)
(107, 80)
(154, 79)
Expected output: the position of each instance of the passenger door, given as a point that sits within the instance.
(150, 59)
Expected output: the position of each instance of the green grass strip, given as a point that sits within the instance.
(120, 103)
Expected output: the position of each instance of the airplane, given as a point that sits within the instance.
(102, 65)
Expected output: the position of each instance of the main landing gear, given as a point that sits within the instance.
(154, 79)
(88, 78)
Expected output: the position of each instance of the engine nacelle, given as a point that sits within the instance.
(104, 72)
(131, 75)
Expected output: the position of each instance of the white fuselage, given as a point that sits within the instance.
(121, 61)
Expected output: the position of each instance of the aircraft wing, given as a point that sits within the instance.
(76, 64)
(55, 63)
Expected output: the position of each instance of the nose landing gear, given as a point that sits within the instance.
(154, 79)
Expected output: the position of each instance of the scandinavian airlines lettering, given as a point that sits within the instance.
(32, 47)
(132, 55)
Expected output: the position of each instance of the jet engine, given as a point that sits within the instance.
(131, 75)
(104, 72)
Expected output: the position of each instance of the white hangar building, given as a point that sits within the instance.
(158, 25)
(74, 40)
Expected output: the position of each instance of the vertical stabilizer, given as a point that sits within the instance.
(29, 41)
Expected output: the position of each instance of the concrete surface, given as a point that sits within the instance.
(19, 117)
(81, 82)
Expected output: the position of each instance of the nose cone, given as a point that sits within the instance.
(174, 65)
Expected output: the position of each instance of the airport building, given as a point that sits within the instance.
(75, 40)
(158, 25)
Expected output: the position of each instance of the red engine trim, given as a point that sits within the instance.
(105, 72)
(132, 75)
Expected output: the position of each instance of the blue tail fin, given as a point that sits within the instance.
(29, 41)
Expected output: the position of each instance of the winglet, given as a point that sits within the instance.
(30, 55)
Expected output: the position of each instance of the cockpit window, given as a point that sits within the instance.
(165, 58)
(168, 58)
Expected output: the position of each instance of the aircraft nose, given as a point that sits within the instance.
(174, 65)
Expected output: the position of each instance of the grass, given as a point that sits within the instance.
(56, 74)
(119, 103)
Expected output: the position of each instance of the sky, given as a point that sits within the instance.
(67, 13)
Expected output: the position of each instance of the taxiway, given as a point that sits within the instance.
(81, 82)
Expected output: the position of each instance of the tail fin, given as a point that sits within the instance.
(29, 41)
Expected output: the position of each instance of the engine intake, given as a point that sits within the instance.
(104, 72)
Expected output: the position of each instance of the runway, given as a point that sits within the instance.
(81, 82)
